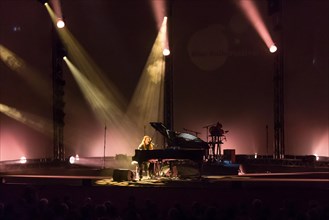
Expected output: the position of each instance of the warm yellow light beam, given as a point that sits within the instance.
(88, 68)
(160, 12)
(106, 111)
(56, 4)
(30, 75)
(57, 15)
(11, 60)
(96, 98)
(36, 122)
(103, 97)
(253, 15)
(147, 102)
(164, 33)
(101, 92)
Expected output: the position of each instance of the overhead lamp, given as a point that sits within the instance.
(166, 52)
(23, 160)
(60, 23)
(273, 48)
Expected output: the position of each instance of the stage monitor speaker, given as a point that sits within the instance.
(229, 154)
(120, 175)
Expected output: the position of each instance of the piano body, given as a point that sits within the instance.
(167, 154)
(180, 140)
(181, 146)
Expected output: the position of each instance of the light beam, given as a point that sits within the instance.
(250, 11)
(30, 75)
(148, 100)
(36, 122)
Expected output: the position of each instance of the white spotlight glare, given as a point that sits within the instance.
(23, 160)
(60, 23)
(273, 48)
(316, 157)
(166, 52)
(72, 160)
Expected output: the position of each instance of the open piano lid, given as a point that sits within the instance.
(177, 139)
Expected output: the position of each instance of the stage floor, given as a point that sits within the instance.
(222, 191)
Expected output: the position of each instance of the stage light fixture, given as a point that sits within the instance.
(273, 48)
(60, 23)
(166, 52)
(23, 160)
(316, 157)
(72, 160)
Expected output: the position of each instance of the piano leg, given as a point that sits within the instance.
(140, 170)
(151, 169)
(157, 169)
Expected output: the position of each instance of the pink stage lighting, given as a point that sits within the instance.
(253, 15)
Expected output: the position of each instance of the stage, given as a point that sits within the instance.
(97, 185)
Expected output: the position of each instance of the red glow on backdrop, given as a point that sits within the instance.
(11, 147)
(320, 147)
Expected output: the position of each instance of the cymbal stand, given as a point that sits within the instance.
(208, 154)
(215, 145)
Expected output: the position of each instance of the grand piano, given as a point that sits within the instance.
(181, 146)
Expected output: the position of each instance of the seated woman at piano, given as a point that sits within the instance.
(147, 167)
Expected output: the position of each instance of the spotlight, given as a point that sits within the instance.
(72, 160)
(273, 48)
(316, 157)
(23, 160)
(166, 52)
(60, 23)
